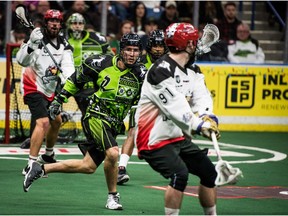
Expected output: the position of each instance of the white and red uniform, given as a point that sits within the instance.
(163, 115)
(41, 74)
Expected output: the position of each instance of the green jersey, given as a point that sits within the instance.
(116, 91)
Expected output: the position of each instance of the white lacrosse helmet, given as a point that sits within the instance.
(76, 24)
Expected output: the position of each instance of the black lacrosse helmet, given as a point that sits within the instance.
(130, 39)
(156, 38)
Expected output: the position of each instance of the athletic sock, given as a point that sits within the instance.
(170, 211)
(210, 210)
(49, 151)
(31, 160)
(124, 158)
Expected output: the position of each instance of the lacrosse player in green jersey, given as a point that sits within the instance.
(156, 48)
(118, 82)
(85, 44)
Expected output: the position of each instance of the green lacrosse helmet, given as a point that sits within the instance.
(76, 24)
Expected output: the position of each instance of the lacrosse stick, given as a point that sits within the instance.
(23, 16)
(210, 36)
(226, 174)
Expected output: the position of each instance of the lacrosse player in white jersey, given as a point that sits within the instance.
(39, 81)
(173, 91)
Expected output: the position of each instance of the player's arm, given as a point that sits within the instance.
(174, 105)
(202, 103)
(67, 64)
(29, 50)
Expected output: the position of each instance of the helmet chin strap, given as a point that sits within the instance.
(191, 59)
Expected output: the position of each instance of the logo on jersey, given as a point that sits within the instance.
(165, 64)
(51, 74)
(97, 62)
(240, 91)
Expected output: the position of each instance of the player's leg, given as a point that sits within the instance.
(51, 138)
(86, 165)
(126, 152)
(200, 165)
(168, 163)
(38, 107)
(105, 138)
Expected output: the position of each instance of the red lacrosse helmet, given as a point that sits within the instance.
(178, 34)
(53, 14)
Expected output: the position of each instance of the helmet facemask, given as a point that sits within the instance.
(76, 24)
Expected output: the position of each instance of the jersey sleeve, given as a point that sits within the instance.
(26, 56)
(201, 102)
(67, 65)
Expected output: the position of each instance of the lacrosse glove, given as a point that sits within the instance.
(55, 107)
(210, 123)
(35, 38)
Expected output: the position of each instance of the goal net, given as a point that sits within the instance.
(16, 121)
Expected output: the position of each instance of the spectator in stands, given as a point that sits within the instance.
(219, 50)
(113, 22)
(154, 9)
(151, 24)
(125, 27)
(122, 9)
(210, 12)
(18, 34)
(40, 10)
(138, 18)
(246, 49)
(78, 6)
(169, 15)
(185, 10)
(228, 25)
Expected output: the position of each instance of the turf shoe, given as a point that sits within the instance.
(122, 175)
(113, 202)
(34, 172)
(46, 159)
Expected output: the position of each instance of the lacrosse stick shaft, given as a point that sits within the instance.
(216, 146)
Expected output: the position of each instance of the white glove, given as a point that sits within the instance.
(35, 38)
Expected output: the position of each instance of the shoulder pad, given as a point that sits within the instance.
(195, 68)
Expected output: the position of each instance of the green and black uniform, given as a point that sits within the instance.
(91, 43)
(115, 93)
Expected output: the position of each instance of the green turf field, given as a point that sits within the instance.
(261, 157)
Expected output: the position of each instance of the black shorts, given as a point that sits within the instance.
(38, 105)
(173, 158)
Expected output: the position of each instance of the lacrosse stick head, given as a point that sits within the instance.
(22, 15)
(226, 174)
(210, 36)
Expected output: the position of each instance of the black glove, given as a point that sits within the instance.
(55, 106)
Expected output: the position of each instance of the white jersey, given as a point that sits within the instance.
(170, 96)
(40, 73)
(245, 52)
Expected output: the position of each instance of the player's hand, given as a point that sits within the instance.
(54, 109)
(36, 36)
(209, 117)
(35, 39)
(208, 126)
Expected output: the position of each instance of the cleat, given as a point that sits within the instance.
(123, 177)
(46, 159)
(33, 173)
(113, 202)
